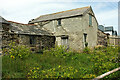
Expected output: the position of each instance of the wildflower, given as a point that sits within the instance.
(34, 67)
(31, 70)
(43, 71)
(76, 70)
(34, 71)
(68, 75)
(12, 56)
(28, 73)
(37, 68)
(64, 73)
(46, 76)
(59, 66)
(53, 68)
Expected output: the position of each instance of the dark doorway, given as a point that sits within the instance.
(85, 40)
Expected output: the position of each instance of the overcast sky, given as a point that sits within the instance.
(24, 10)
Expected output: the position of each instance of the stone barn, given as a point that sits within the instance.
(26, 34)
(74, 28)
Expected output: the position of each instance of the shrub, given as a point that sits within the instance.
(99, 47)
(58, 51)
(17, 51)
(86, 50)
(104, 60)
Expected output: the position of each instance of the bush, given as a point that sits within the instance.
(58, 51)
(86, 50)
(17, 51)
(104, 60)
(99, 47)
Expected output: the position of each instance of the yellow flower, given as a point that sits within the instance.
(31, 70)
(59, 66)
(37, 68)
(64, 73)
(43, 71)
(12, 49)
(12, 56)
(53, 68)
(76, 70)
(68, 75)
(34, 67)
(46, 76)
(34, 71)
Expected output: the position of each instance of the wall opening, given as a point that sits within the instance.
(85, 40)
(32, 40)
(64, 41)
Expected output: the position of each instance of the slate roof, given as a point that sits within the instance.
(63, 14)
(2, 20)
(28, 29)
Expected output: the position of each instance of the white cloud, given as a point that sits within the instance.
(25, 10)
(23, 13)
(109, 18)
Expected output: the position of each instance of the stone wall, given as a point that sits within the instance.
(114, 40)
(36, 42)
(102, 38)
(74, 28)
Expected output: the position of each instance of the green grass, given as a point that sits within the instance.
(59, 63)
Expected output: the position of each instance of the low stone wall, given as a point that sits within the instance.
(102, 38)
(114, 40)
(38, 41)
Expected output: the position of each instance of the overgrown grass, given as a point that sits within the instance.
(59, 63)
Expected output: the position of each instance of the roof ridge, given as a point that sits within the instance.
(63, 11)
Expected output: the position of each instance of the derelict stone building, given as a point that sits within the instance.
(26, 34)
(73, 28)
(76, 29)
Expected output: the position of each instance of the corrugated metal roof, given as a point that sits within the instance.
(110, 28)
(27, 29)
(63, 14)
